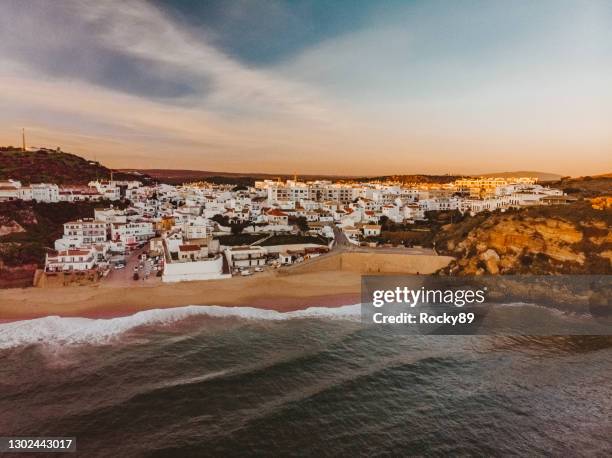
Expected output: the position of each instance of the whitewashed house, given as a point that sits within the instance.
(246, 256)
(371, 230)
(70, 260)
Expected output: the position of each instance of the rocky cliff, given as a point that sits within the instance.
(574, 239)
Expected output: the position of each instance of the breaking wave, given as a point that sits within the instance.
(73, 331)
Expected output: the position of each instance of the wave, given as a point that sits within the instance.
(73, 331)
(545, 308)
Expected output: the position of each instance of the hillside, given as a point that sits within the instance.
(28, 230)
(171, 176)
(410, 179)
(46, 166)
(572, 239)
(541, 176)
(585, 186)
(247, 178)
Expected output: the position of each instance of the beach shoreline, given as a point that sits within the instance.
(282, 293)
(329, 281)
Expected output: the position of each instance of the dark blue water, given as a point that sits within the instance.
(207, 386)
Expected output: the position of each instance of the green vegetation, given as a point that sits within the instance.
(43, 224)
(46, 166)
(289, 239)
(407, 238)
(300, 222)
(420, 233)
(239, 239)
(577, 212)
(531, 241)
(236, 227)
(408, 179)
(585, 186)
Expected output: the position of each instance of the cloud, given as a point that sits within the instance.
(229, 109)
(80, 32)
(423, 88)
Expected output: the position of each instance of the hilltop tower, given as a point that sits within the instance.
(23, 142)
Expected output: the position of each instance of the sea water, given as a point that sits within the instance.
(218, 381)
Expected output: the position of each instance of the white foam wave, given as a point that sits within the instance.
(73, 331)
(544, 308)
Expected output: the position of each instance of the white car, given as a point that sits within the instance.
(258, 269)
(246, 273)
(119, 266)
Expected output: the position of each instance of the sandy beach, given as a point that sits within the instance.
(329, 281)
(268, 290)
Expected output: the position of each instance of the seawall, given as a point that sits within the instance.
(372, 263)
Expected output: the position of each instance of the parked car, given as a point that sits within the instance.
(119, 266)
(246, 273)
(258, 269)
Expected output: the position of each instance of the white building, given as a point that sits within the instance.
(192, 252)
(110, 215)
(85, 232)
(246, 256)
(79, 194)
(371, 230)
(10, 190)
(195, 228)
(70, 260)
(276, 216)
(44, 192)
(133, 232)
(191, 263)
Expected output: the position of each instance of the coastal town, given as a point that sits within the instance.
(205, 231)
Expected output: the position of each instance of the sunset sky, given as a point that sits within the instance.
(335, 87)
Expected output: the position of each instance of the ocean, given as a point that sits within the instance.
(215, 381)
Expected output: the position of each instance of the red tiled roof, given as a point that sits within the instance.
(189, 248)
(276, 212)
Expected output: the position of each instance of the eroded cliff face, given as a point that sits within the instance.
(9, 226)
(521, 243)
(14, 222)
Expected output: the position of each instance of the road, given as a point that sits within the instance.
(125, 276)
(341, 241)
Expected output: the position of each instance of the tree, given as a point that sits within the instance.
(302, 224)
(221, 220)
(237, 228)
(384, 222)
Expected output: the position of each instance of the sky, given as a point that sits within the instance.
(314, 86)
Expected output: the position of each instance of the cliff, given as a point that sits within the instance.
(573, 239)
(588, 186)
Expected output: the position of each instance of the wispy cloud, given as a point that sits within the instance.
(141, 30)
(231, 109)
(423, 87)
